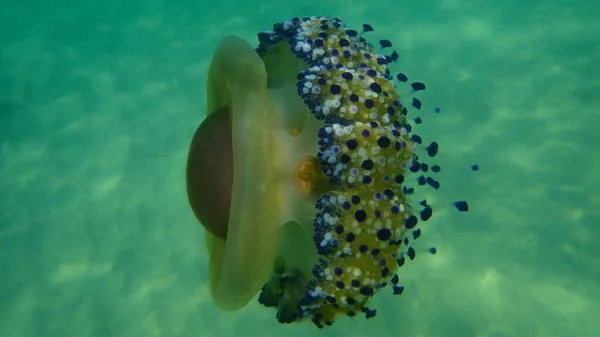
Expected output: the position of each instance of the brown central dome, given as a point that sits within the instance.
(210, 172)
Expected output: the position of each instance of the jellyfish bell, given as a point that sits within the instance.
(210, 172)
(250, 173)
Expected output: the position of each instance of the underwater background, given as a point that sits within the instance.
(99, 101)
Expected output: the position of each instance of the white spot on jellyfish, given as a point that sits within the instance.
(398, 233)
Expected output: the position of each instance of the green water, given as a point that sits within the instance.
(98, 103)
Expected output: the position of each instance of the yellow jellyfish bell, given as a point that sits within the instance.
(266, 189)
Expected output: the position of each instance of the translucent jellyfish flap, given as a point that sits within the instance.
(362, 223)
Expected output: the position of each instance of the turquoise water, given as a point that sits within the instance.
(98, 103)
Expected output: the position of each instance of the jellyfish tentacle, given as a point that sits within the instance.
(362, 146)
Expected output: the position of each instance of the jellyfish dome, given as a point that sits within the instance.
(298, 172)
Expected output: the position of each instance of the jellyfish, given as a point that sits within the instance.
(297, 173)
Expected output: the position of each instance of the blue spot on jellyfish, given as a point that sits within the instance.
(298, 172)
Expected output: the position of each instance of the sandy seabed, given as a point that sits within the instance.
(98, 102)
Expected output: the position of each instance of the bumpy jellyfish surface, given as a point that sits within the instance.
(298, 172)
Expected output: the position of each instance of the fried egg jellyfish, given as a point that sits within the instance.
(298, 172)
